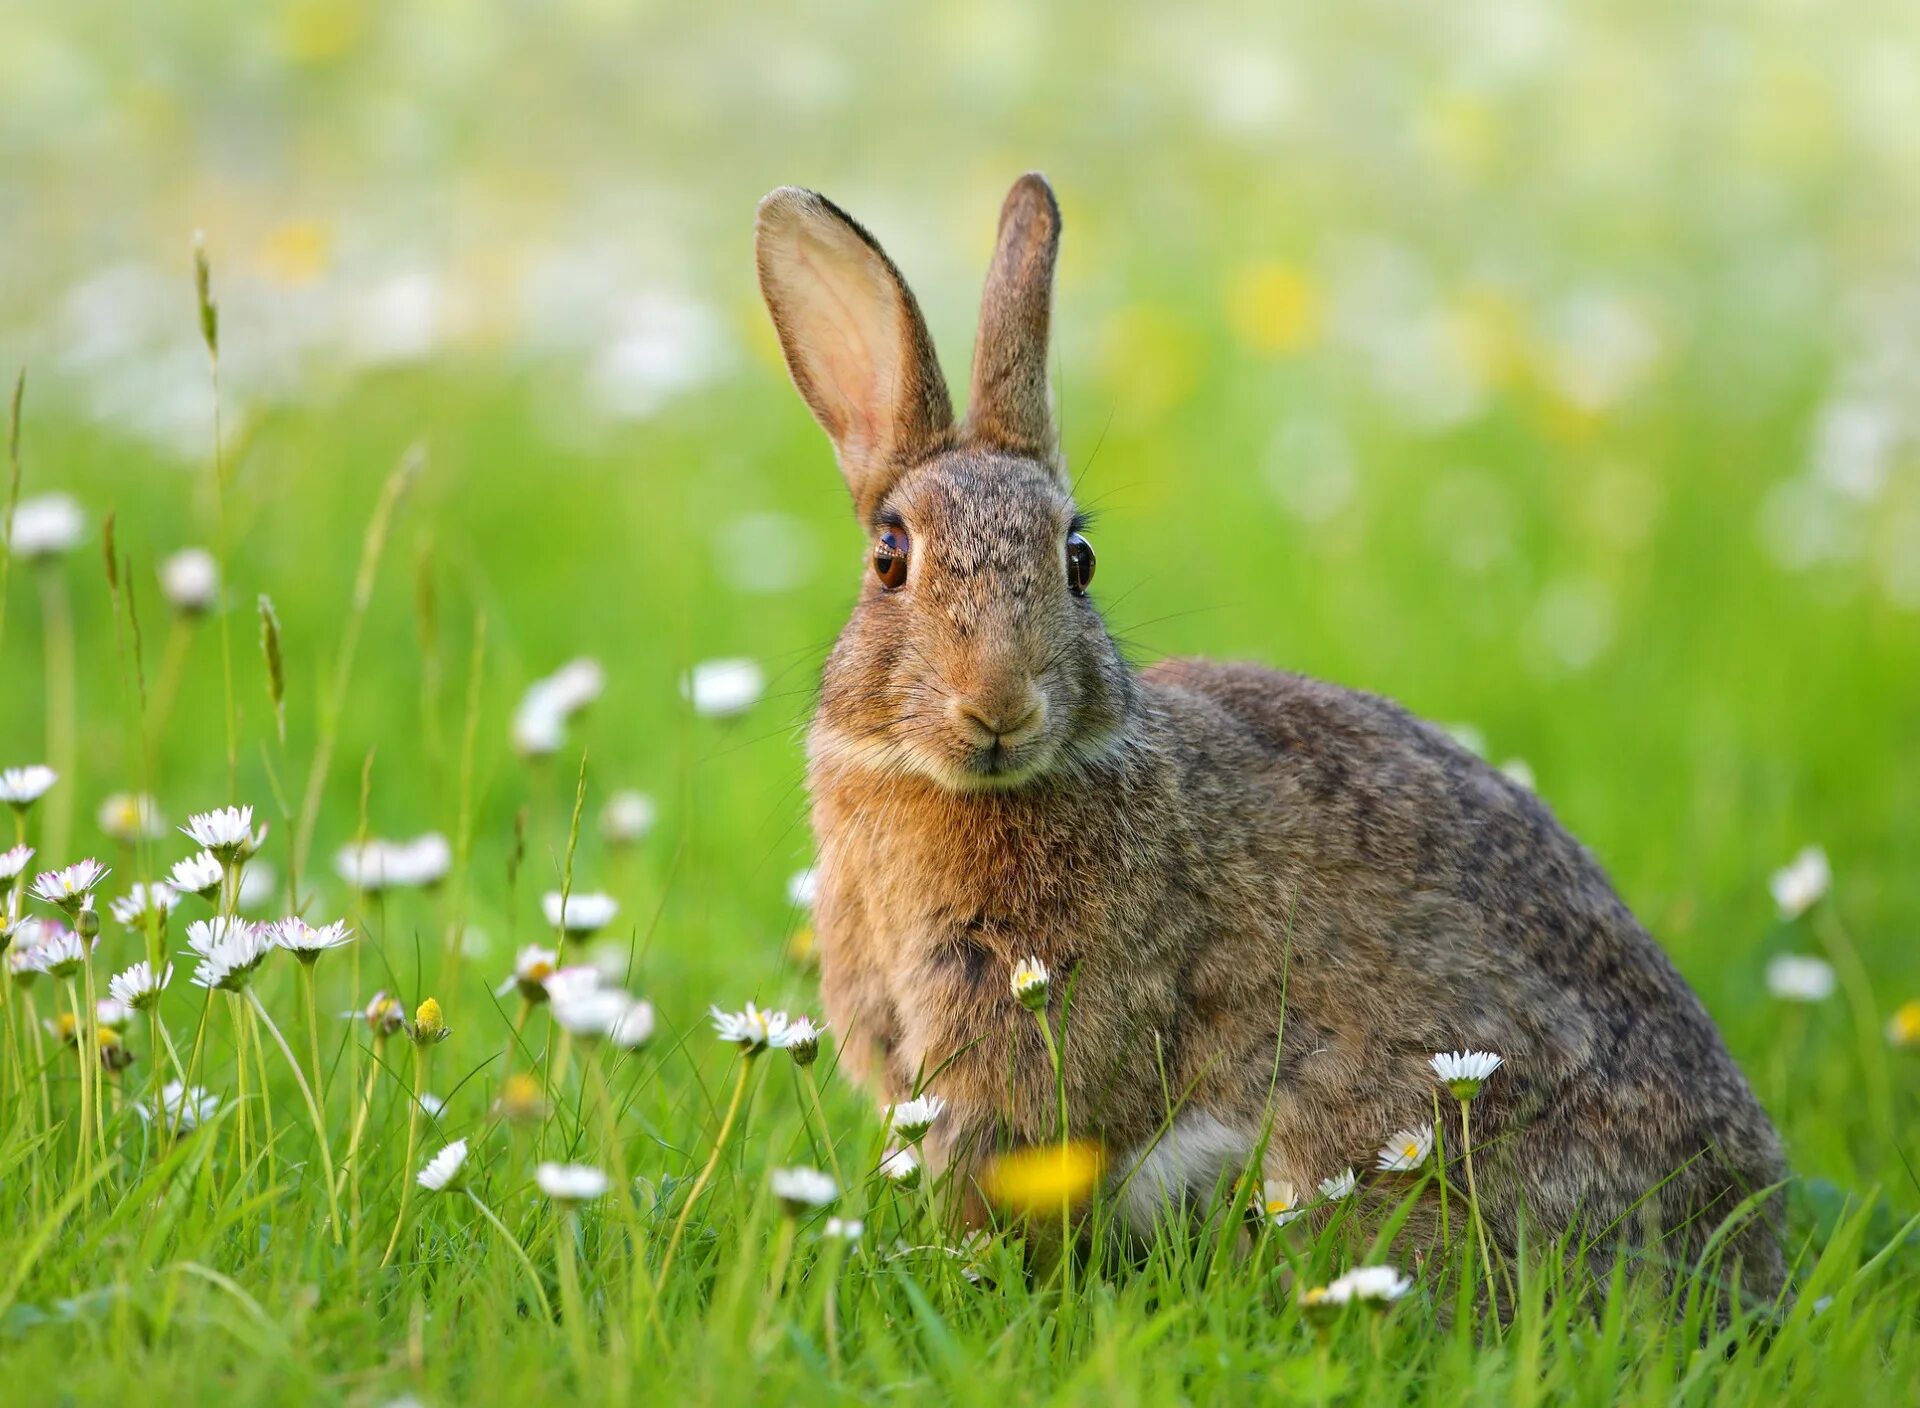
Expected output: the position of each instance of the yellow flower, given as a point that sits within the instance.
(802, 947)
(1903, 1028)
(429, 1025)
(522, 1101)
(1274, 307)
(1045, 1178)
(296, 252)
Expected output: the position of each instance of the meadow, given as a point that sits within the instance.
(1554, 377)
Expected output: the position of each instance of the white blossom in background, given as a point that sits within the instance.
(571, 1183)
(422, 862)
(752, 1029)
(144, 902)
(20, 788)
(532, 966)
(579, 915)
(190, 579)
(13, 863)
(140, 986)
(801, 1190)
(1802, 883)
(1278, 1202)
(46, 526)
(227, 832)
(131, 816)
(634, 1028)
(540, 721)
(801, 889)
(589, 1012)
(184, 1106)
(627, 818)
(1800, 977)
(723, 689)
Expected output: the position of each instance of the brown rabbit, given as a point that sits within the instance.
(1273, 899)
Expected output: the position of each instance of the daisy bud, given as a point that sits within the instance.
(903, 1168)
(114, 1056)
(1031, 983)
(86, 923)
(384, 1015)
(913, 1118)
(803, 1041)
(429, 1025)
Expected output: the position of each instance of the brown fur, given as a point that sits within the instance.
(1199, 849)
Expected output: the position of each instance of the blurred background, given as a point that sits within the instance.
(1553, 369)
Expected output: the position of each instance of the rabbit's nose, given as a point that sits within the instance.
(1001, 720)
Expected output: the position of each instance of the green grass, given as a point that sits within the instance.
(1599, 590)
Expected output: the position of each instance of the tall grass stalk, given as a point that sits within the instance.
(313, 1105)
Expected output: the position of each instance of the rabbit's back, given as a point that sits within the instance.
(1430, 903)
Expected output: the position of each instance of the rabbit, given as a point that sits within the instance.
(1272, 899)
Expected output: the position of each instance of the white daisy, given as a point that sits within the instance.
(723, 689)
(538, 731)
(259, 886)
(1802, 883)
(1407, 1151)
(229, 957)
(383, 1015)
(46, 526)
(540, 720)
(140, 986)
(911, 1119)
(131, 816)
(190, 580)
(59, 952)
(802, 1190)
(802, 888)
(66, 887)
(843, 1229)
(199, 874)
(227, 832)
(1031, 983)
(627, 818)
(591, 1012)
(205, 935)
(22, 787)
(1800, 977)
(432, 1105)
(1464, 1072)
(902, 1167)
(111, 1013)
(364, 865)
(571, 1183)
(1341, 1185)
(1278, 1202)
(635, 1027)
(579, 915)
(422, 862)
(803, 1041)
(306, 942)
(531, 969)
(752, 1030)
(144, 902)
(185, 1106)
(443, 1168)
(570, 983)
(1377, 1285)
(13, 864)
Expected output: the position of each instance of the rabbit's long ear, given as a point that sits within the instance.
(853, 338)
(1008, 407)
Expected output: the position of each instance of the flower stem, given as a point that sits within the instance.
(526, 1262)
(313, 1109)
(1473, 1199)
(413, 1142)
(83, 1150)
(700, 1183)
(573, 1310)
(826, 1130)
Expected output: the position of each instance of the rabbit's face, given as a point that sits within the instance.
(974, 656)
(979, 661)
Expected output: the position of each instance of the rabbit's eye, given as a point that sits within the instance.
(890, 558)
(1079, 564)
